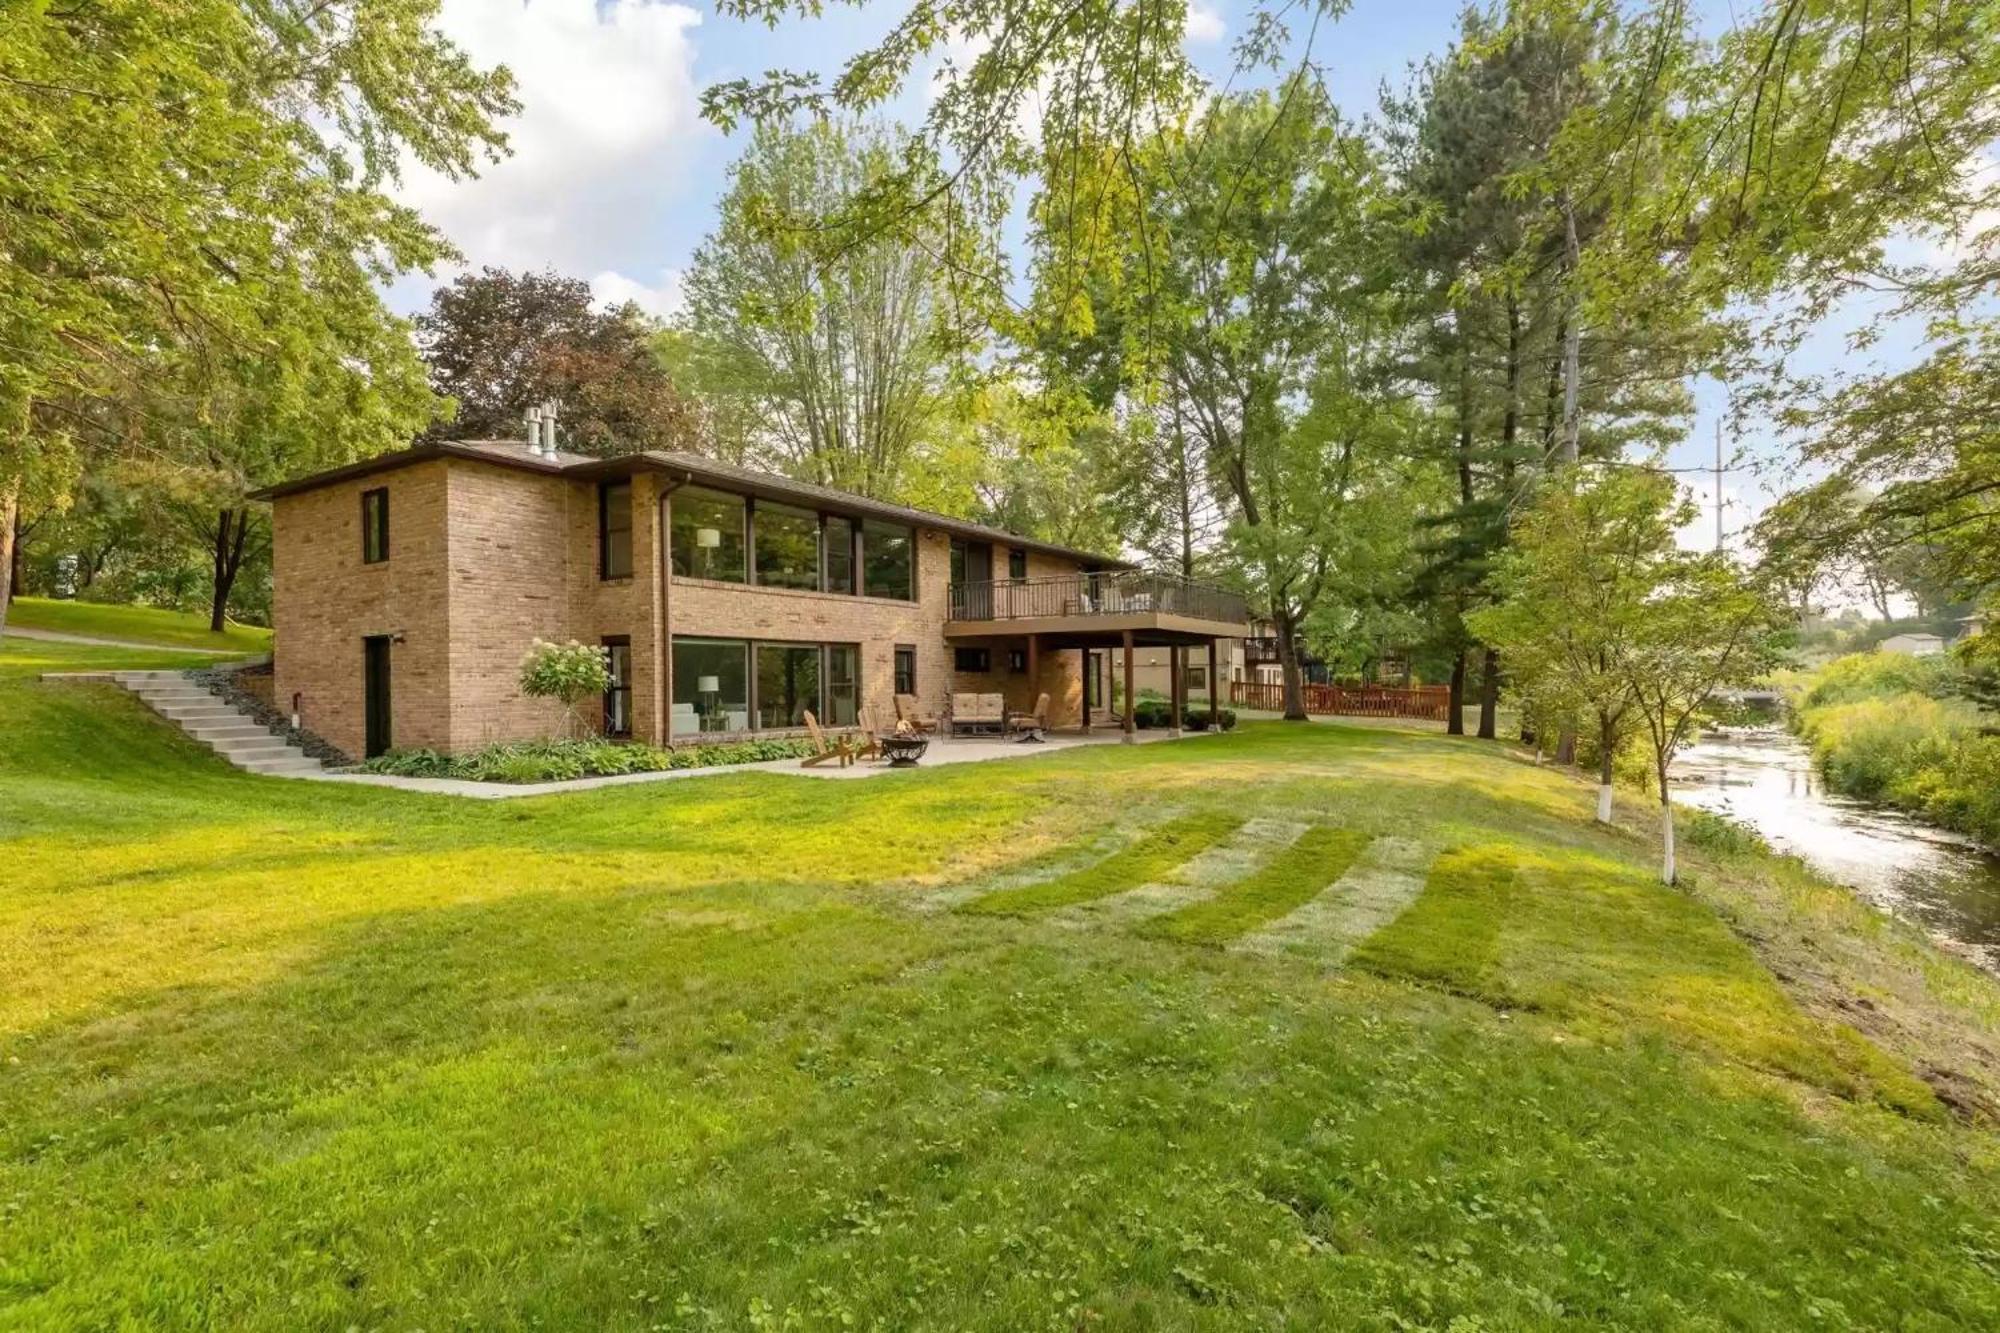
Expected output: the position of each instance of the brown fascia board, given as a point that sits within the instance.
(686, 469)
(420, 453)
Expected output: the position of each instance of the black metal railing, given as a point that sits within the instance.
(1116, 593)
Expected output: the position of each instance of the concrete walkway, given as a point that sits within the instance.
(57, 636)
(944, 751)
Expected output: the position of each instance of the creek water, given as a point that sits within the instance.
(1764, 777)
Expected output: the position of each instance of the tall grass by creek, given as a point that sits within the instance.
(1898, 730)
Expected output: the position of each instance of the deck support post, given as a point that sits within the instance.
(1214, 690)
(1035, 669)
(1131, 722)
(1175, 682)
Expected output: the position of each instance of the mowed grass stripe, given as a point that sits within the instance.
(1321, 855)
(1450, 936)
(1142, 863)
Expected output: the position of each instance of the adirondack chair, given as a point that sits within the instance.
(868, 745)
(824, 751)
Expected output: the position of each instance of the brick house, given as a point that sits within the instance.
(407, 588)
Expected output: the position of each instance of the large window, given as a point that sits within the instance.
(787, 542)
(374, 526)
(839, 554)
(618, 694)
(711, 686)
(614, 530)
(787, 684)
(843, 685)
(888, 559)
(708, 535)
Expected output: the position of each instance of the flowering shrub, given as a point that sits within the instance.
(570, 672)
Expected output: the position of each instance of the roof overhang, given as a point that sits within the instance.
(1100, 631)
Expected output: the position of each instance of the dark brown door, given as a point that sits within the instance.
(375, 691)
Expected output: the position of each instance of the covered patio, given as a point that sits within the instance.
(1106, 617)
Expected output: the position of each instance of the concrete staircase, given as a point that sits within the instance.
(235, 735)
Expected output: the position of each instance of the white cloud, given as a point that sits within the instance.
(1204, 23)
(662, 299)
(608, 114)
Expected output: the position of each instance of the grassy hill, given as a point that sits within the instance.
(135, 624)
(1082, 1041)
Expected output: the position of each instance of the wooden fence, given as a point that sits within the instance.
(1422, 701)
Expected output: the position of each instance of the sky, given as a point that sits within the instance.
(614, 176)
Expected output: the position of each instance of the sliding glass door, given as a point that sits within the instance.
(788, 678)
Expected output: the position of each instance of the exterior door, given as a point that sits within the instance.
(972, 570)
(375, 692)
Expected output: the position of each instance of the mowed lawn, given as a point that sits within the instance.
(1083, 1041)
(135, 624)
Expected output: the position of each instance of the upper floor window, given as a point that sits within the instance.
(1017, 564)
(888, 560)
(839, 553)
(375, 526)
(614, 530)
(787, 542)
(707, 538)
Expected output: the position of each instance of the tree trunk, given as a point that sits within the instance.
(1455, 722)
(15, 541)
(1607, 740)
(10, 513)
(1288, 663)
(1669, 872)
(1572, 336)
(232, 528)
(1489, 695)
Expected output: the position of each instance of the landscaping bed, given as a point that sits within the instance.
(563, 760)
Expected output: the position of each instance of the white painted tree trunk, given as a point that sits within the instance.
(1668, 873)
(1604, 803)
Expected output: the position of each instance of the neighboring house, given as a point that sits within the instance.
(407, 588)
(1912, 645)
(1261, 664)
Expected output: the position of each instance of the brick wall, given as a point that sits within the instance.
(508, 586)
(325, 600)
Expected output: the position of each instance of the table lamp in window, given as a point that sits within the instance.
(710, 690)
(708, 540)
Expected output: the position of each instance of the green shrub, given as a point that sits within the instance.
(1151, 713)
(590, 757)
(1873, 675)
(1716, 833)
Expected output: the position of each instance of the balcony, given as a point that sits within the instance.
(1090, 606)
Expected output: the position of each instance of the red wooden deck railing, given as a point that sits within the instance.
(1420, 701)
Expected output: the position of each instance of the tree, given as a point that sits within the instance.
(1573, 590)
(1264, 336)
(211, 173)
(498, 342)
(1707, 625)
(833, 354)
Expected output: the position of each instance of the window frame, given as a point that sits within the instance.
(903, 683)
(605, 573)
(1017, 564)
(1017, 660)
(375, 528)
(614, 687)
(983, 656)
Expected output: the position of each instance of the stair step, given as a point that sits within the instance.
(250, 747)
(295, 764)
(229, 731)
